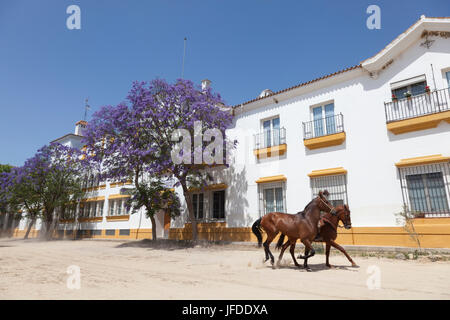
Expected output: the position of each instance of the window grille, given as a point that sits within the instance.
(336, 186)
(425, 189)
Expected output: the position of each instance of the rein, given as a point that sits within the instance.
(332, 209)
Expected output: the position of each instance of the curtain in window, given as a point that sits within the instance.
(436, 191)
(416, 192)
(329, 118)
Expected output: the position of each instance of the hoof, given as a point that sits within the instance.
(329, 266)
(354, 265)
(308, 269)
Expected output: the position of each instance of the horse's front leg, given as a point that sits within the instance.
(327, 254)
(308, 248)
(292, 250)
(334, 244)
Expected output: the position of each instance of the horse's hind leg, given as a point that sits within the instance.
(292, 250)
(305, 263)
(269, 239)
(283, 248)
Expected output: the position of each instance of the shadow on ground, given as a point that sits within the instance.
(167, 244)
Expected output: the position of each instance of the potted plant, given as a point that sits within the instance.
(407, 95)
(427, 89)
(394, 98)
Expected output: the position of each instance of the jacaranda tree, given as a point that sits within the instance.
(20, 192)
(142, 137)
(50, 180)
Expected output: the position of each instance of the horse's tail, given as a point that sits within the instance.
(280, 241)
(256, 228)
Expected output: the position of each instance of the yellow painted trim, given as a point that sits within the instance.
(418, 123)
(436, 158)
(66, 220)
(325, 141)
(118, 218)
(93, 219)
(327, 172)
(118, 196)
(93, 199)
(268, 152)
(278, 178)
(217, 186)
(117, 184)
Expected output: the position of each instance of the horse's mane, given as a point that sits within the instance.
(306, 208)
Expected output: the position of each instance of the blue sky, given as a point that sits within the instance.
(243, 47)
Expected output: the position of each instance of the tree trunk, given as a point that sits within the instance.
(152, 219)
(54, 221)
(5, 224)
(190, 206)
(33, 220)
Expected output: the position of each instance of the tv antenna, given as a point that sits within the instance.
(184, 55)
(86, 108)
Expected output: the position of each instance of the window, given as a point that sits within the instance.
(427, 192)
(117, 207)
(197, 201)
(273, 200)
(336, 186)
(425, 188)
(271, 129)
(219, 204)
(414, 89)
(324, 120)
(447, 74)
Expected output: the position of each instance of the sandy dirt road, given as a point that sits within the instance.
(136, 270)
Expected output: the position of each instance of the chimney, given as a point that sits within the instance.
(80, 126)
(205, 84)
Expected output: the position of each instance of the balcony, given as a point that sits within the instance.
(419, 112)
(270, 143)
(324, 132)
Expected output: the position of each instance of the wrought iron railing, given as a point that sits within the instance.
(270, 138)
(416, 106)
(323, 126)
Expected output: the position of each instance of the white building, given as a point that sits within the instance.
(344, 132)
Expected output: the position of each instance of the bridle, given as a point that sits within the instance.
(332, 209)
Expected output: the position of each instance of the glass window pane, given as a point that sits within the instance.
(416, 192)
(418, 88)
(436, 192)
(318, 121)
(276, 131)
(329, 118)
(269, 200)
(279, 200)
(267, 134)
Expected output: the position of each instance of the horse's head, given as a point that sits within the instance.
(323, 204)
(343, 214)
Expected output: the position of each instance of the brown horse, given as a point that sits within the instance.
(328, 233)
(302, 225)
